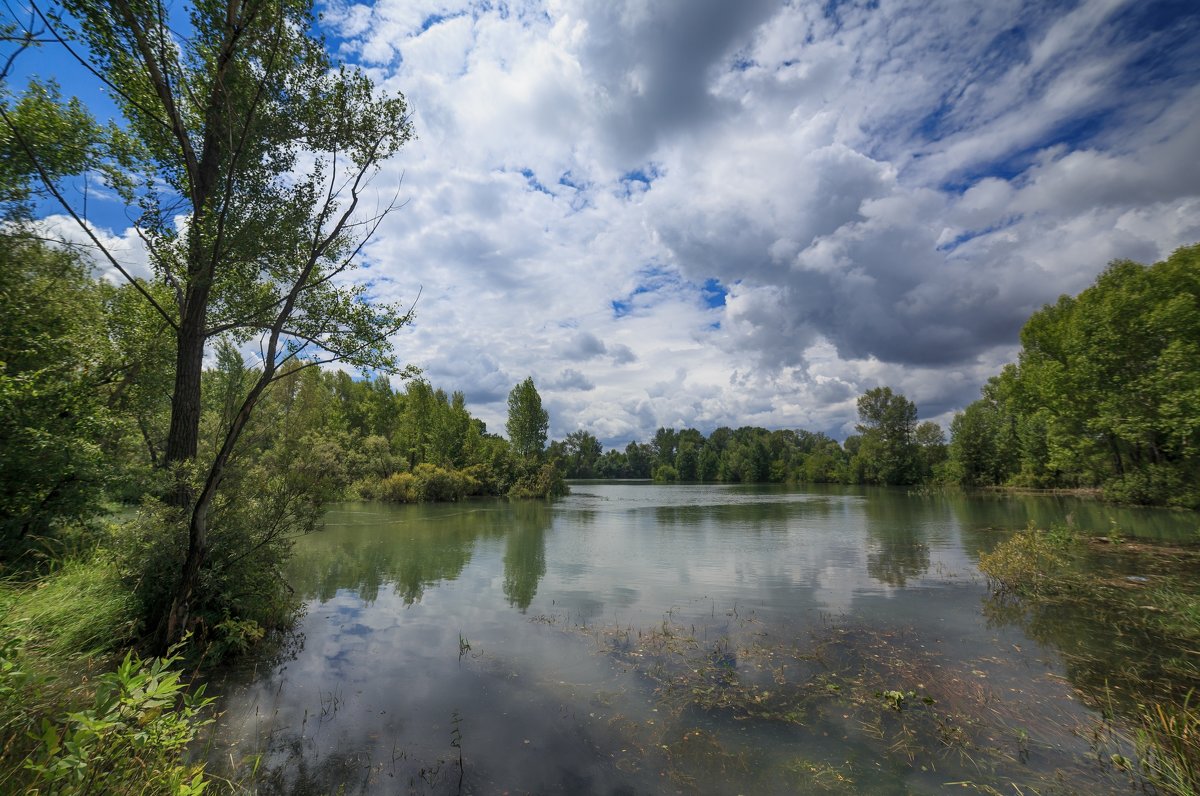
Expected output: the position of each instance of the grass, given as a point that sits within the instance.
(77, 716)
(81, 610)
(1137, 652)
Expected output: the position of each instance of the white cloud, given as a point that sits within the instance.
(883, 192)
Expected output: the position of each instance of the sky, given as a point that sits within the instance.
(703, 213)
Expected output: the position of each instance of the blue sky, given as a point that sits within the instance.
(704, 213)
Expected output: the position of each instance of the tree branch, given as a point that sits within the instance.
(53, 189)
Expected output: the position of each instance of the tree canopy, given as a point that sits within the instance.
(528, 423)
(1105, 393)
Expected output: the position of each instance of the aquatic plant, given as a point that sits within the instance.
(1137, 607)
(925, 713)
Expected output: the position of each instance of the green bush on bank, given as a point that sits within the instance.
(534, 480)
(65, 731)
(425, 483)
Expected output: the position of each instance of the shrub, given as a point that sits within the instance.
(1152, 485)
(252, 525)
(131, 738)
(427, 483)
(666, 474)
(1032, 562)
(539, 481)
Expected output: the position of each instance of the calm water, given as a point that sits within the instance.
(634, 638)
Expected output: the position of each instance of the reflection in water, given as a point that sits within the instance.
(898, 529)
(524, 564)
(411, 548)
(642, 638)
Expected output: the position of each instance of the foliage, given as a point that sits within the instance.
(892, 449)
(39, 123)
(131, 737)
(889, 450)
(666, 474)
(245, 149)
(254, 521)
(528, 422)
(1106, 392)
(65, 729)
(52, 370)
(534, 480)
(1033, 562)
(426, 483)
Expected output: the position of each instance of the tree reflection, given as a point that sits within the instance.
(368, 546)
(897, 525)
(524, 564)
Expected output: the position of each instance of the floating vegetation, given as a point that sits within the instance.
(877, 704)
(1135, 653)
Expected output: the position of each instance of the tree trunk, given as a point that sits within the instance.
(184, 433)
(177, 619)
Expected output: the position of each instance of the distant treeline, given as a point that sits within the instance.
(890, 448)
(1105, 394)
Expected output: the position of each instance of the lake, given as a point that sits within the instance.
(636, 638)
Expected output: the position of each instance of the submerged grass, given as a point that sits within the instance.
(913, 713)
(1137, 655)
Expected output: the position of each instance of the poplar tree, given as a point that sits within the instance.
(528, 423)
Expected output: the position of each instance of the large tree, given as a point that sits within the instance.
(887, 423)
(244, 152)
(528, 422)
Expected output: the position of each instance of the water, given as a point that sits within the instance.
(634, 638)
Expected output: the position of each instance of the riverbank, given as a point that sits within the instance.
(1088, 492)
(1136, 656)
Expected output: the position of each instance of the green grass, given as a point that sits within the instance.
(75, 716)
(80, 610)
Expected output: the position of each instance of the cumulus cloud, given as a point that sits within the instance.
(702, 213)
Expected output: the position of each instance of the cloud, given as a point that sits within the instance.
(581, 346)
(702, 213)
(570, 379)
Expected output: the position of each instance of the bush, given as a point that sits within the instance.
(666, 474)
(1152, 485)
(1033, 562)
(539, 481)
(425, 484)
(130, 738)
(252, 524)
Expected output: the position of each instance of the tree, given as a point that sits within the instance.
(528, 422)
(973, 448)
(582, 451)
(931, 448)
(52, 411)
(246, 130)
(888, 449)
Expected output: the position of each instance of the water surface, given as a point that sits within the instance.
(635, 638)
